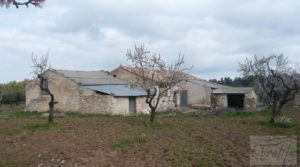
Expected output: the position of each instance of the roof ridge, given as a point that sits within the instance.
(79, 70)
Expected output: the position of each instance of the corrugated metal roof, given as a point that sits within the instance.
(90, 77)
(118, 90)
(209, 84)
(233, 90)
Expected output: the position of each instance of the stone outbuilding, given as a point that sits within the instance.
(93, 92)
(206, 95)
(234, 97)
(196, 93)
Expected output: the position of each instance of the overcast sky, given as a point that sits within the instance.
(214, 35)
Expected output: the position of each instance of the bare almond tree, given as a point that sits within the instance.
(154, 75)
(40, 68)
(276, 79)
(36, 3)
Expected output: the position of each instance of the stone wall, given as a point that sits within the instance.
(197, 94)
(219, 101)
(250, 100)
(72, 98)
(141, 106)
(35, 99)
(93, 102)
(125, 76)
(66, 93)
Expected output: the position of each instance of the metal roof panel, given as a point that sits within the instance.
(117, 90)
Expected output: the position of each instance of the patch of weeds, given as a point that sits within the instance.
(220, 163)
(88, 116)
(122, 144)
(23, 114)
(11, 131)
(140, 139)
(297, 128)
(78, 115)
(240, 114)
(266, 112)
(34, 127)
(19, 115)
(277, 125)
(158, 125)
(202, 163)
(4, 116)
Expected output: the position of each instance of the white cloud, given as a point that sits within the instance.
(214, 35)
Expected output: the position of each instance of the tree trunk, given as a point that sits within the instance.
(274, 110)
(272, 120)
(152, 115)
(51, 109)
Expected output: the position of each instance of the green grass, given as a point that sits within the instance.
(19, 115)
(240, 114)
(277, 125)
(124, 143)
(22, 114)
(26, 128)
(158, 125)
(11, 131)
(202, 163)
(34, 127)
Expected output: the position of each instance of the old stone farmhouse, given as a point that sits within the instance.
(86, 92)
(115, 92)
(194, 92)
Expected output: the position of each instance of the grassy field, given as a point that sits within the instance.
(181, 140)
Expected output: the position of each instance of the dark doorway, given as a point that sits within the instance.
(132, 105)
(236, 100)
(183, 98)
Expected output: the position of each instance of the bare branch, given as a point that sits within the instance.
(36, 3)
(154, 75)
(276, 79)
(40, 68)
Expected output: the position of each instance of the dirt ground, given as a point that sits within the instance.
(181, 140)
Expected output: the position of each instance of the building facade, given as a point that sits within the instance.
(93, 92)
